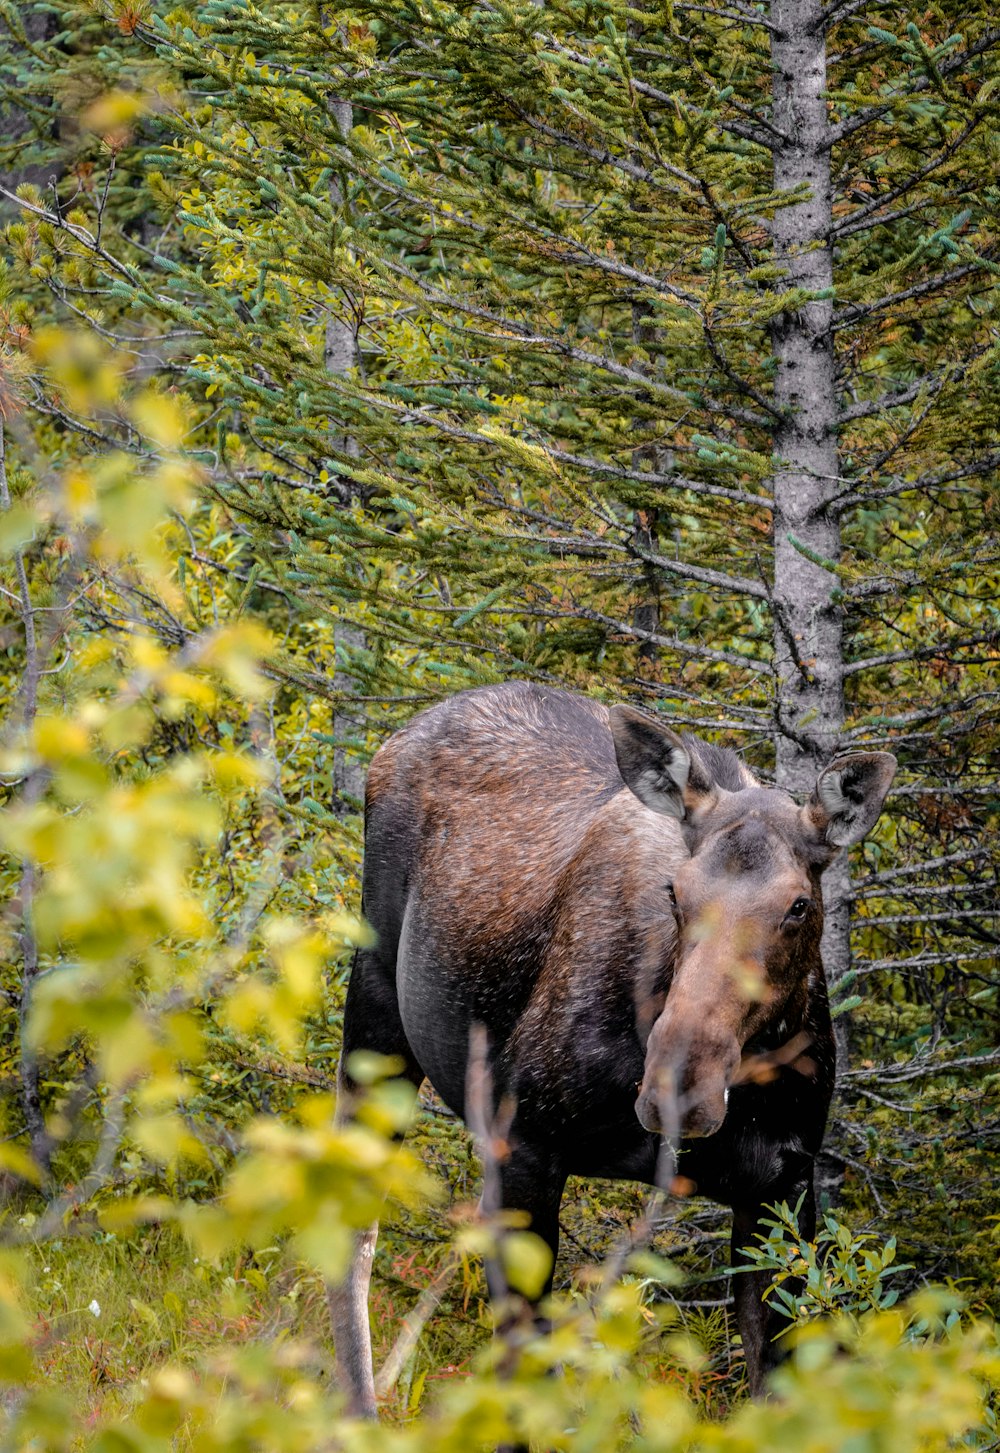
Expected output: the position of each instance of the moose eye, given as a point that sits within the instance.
(798, 910)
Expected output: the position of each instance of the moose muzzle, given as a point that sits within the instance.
(685, 1091)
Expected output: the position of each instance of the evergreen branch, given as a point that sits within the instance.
(505, 326)
(839, 233)
(858, 220)
(678, 482)
(655, 638)
(585, 548)
(855, 311)
(839, 11)
(833, 566)
(602, 156)
(975, 469)
(745, 14)
(129, 341)
(742, 384)
(871, 114)
(900, 439)
(641, 87)
(866, 408)
(904, 718)
(761, 131)
(739, 585)
(615, 268)
(78, 233)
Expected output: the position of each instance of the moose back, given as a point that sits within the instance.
(635, 920)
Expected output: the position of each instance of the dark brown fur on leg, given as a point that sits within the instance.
(761, 1324)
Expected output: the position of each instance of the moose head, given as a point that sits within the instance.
(747, 904)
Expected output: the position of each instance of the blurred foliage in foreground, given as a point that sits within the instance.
(164, 1290)
(350, 359)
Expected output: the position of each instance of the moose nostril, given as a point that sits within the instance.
(648, 1114)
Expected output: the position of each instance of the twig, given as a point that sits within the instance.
(51, 1222)
(413, 1325)
(33, 786)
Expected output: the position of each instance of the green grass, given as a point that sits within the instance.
(110, 1309)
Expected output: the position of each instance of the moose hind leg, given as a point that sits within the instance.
(371, 1022)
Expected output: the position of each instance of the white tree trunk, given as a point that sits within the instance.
(808, 622)
(339, 357)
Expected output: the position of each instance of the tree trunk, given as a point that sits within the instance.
(339, 357)
(808, 621)
(15, 127)
(30, 794)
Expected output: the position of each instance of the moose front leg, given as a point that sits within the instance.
(760, 1323)
(528, 1179)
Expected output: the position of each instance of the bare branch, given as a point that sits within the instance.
(101, 1171)
(853, 312)
(975, 469)
(941, 650)
(922, 1065)
(949, 916)
(917, 961)
(878, 880)
(686, 648)
(964, 888)
(413, 1325)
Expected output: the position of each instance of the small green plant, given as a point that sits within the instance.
(838, 1272)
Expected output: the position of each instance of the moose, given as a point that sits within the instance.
(634, 919)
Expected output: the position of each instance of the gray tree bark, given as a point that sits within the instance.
(339, 357)
(14, 124)
(808, 621)
(31, 791)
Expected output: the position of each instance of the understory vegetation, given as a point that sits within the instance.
(349, 358)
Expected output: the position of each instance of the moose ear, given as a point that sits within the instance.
(848, 797)
(655, 764)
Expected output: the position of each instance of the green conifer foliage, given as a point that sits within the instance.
(676, 378)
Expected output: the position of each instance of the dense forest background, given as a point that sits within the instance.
(351, 358)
